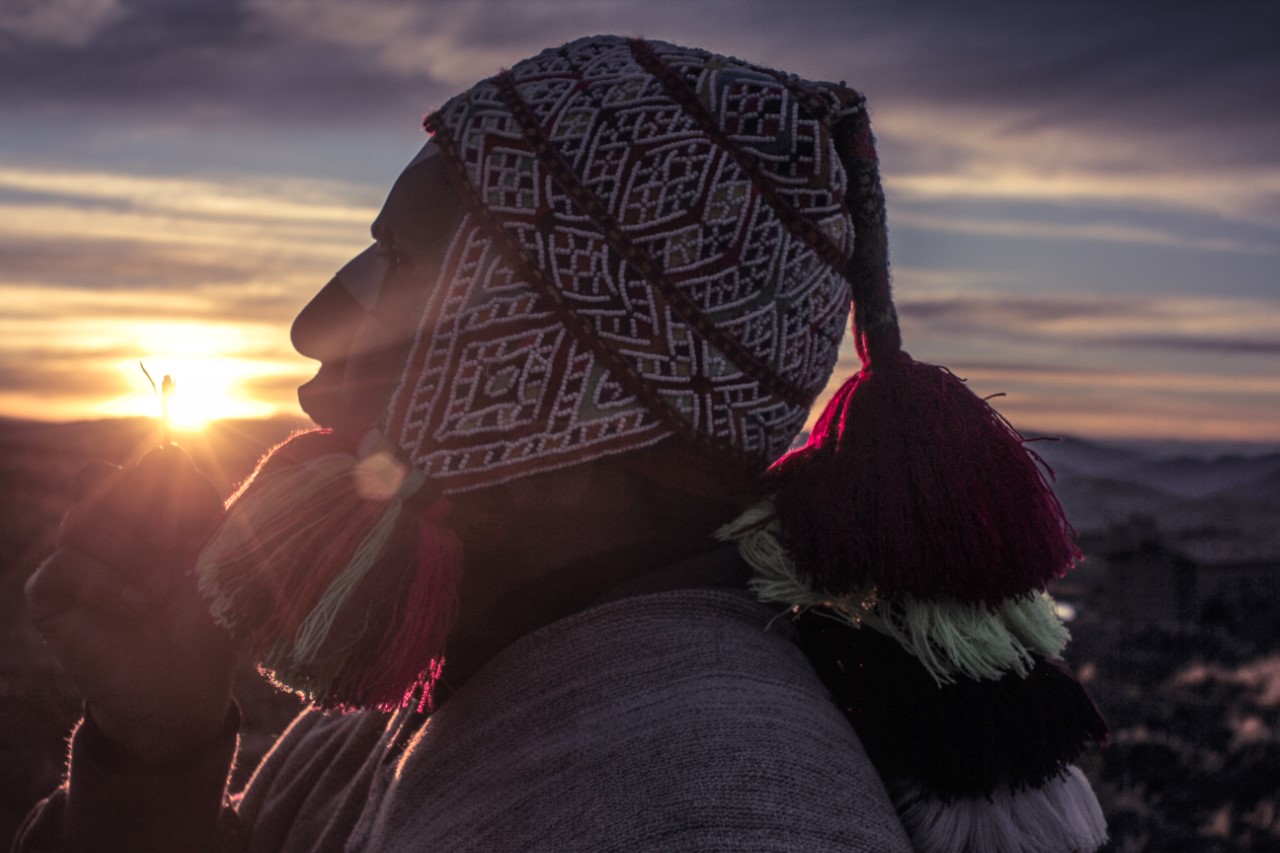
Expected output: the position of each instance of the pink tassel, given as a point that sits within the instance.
(913, 484)
(410, 650)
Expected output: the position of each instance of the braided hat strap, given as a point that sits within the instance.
(875, 320)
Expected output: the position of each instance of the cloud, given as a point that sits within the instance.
(1049, 378)
(405, 39)
(58, 376)
(242, 248)
(64, 22)
(1234, 194)
(1224, 325)
(1226, 346)
(198, 277)
(1088, 81)
(1117, 400)
(68, 366)
(1128, 105)
(110, 264)
(1099, 230)
(1087, 67)
(1126, 133)
(198, 64)
(237, 198)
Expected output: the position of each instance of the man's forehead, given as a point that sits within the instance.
(415, 200)
(428, 151)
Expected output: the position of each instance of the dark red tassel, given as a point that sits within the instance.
(913, 484)
(386, 646)
(958, 740)
(415, 612)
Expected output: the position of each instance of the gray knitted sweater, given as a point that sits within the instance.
(681, 721)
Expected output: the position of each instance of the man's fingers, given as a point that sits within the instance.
(92, 481)
(100, 532)
(163, 500)
(168, 496)
(144, 522)
(70, 584)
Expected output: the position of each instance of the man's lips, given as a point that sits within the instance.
(351, 393)
(321, 397)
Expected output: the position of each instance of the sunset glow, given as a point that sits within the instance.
(205, 389)
(1106, 259)
(596, 298)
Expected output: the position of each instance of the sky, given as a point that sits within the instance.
(1084, 197)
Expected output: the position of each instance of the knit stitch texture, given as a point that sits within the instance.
(681, 721)
(621, 276)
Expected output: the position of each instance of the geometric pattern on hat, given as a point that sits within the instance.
(622, 275)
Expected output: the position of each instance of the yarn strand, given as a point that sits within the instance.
(949, 639)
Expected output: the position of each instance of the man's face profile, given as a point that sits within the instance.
(361, 324)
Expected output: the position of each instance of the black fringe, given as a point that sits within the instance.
(959, 740)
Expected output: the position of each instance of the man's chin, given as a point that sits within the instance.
(319, 405)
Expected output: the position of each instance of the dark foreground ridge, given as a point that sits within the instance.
(1190, 689)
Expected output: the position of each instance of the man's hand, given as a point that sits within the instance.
(118, 606)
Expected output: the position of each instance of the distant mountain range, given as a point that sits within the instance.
(1170, 470)
(1191, 490)
(1234, 495)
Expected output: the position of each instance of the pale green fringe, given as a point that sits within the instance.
(314, 629)
(947, 637)
(254, 525)
(255, 519)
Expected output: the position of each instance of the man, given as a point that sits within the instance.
(601, 303)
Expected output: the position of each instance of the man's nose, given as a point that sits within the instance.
(325, 328)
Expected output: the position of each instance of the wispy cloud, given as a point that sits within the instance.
(87, 364)
(1119, 400)
(1226, 346)
(233, 243)
(408, 39)
(1135, 320)
(296, 201)
(1227, 194)
(1099, 231)
(65, 22)
(198, 277)
(1039, 378)
(1025, 147)
(1070, 365)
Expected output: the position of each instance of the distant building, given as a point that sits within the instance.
(1195, 578)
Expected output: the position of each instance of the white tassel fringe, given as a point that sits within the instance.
(1060, 816)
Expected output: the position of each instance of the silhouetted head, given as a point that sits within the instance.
(599, 304)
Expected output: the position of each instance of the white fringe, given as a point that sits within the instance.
(948, 638)
(1060, 816)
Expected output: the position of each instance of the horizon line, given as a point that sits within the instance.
(1032, 437)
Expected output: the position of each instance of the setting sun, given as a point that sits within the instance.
(213, 368)
(203, 395)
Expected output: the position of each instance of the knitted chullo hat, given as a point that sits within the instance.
(635, 264)
(664, 244)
